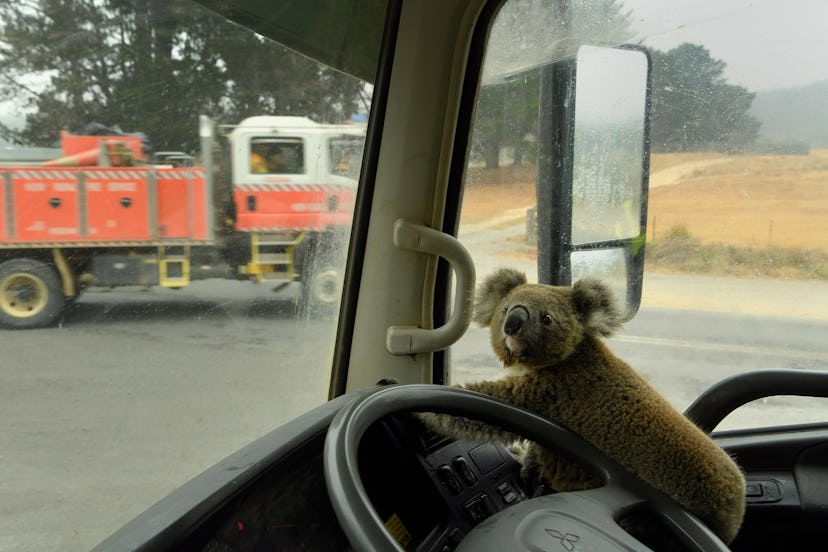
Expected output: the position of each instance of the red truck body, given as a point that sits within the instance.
(117, 206)
(106, 214)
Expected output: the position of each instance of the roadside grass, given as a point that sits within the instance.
(747, 200)
(756, 216)
(679, 251)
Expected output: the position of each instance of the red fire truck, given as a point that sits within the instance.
(269, 200)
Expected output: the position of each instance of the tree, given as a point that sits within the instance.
(529, 32)
(693, 107)
(153, 66)
(506, 115)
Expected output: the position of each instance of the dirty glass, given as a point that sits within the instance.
(736, 270)
(158, 309)
(608, 143)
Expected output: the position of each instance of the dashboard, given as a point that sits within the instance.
(429, 491)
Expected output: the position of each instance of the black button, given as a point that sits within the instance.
(763, 491)
(448, 479)
(506, 492)
(753, 489)
(479, 508)
(464, 470)
(771, 490)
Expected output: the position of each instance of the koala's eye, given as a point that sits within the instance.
(546, 319)
(505, 309)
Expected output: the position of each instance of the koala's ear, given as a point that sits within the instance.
(492, 291)
(596, 306)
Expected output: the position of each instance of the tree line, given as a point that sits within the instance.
(148, 65)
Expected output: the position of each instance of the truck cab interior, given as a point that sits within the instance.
(465, 98)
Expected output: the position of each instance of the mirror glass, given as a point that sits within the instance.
(608, 147)
(608, 264)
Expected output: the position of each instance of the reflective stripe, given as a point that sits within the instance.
(115, 173)
(287, 187)
(92, 242)
(44, 174)
(101, 174)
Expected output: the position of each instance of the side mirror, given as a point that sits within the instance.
(594, 169)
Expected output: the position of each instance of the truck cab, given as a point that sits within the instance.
(216, 417)
(292, 173)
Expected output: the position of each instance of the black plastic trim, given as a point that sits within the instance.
(362, 208)
(457, 170)
(165, 525)
(712, 406)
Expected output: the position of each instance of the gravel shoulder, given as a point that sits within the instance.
(790, 298)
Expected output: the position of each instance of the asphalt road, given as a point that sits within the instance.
(683, 352)
(136, 392)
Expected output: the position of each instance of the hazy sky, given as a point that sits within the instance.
(765, 43)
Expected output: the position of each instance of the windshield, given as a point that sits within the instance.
(169, 293)
(736, 270)
(181, 281)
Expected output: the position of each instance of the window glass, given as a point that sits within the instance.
(345, 153)
(736, 273)
(160, 307)
(277, 156)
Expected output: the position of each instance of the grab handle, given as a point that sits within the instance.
(404, 340)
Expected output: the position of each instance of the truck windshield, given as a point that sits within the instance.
(736, 243)
(169, 300)
(163, 304)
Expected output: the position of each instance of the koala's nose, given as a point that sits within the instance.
(515, 320)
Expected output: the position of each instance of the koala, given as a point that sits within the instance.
(557, 366)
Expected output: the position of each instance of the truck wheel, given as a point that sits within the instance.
(321, 290)
(325, 287)
(321, 279)
(30, 294)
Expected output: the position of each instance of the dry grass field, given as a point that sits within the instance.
(489, 193)
(755, 201)
(709, 213)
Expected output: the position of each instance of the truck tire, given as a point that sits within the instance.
(31, 294)
(321, 280)
(321, 290)
(324, 286)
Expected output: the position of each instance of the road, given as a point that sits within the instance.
(672, 175)
(682, 352)
(137, 392)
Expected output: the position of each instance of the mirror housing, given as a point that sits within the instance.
(593, 170)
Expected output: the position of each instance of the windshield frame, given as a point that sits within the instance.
(362, 206)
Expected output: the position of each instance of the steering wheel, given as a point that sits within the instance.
(586, 518)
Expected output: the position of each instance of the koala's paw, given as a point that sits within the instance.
(387, 381)
(518, 449)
